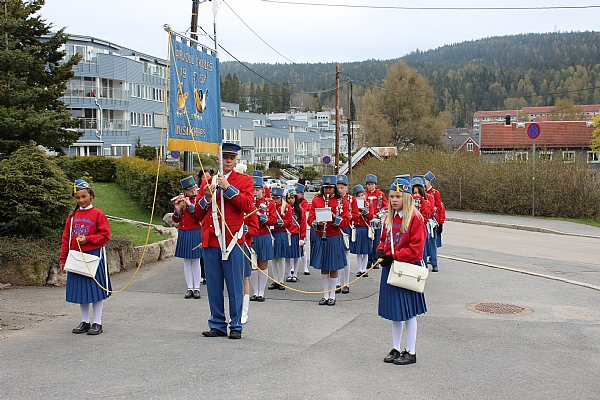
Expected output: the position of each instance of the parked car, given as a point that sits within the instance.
(309, 187)
(290, 184)
(316, 183)
(272, 183)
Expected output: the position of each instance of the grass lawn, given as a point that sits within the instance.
(115, 201)
(584, 221)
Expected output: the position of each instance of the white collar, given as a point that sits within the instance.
(87, 208)
(399, 213)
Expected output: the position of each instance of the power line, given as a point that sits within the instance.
(537, 8)
(271, 47)
(268, 80)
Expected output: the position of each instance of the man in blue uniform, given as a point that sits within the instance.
(223, 257)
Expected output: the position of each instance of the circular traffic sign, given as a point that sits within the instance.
(533, 130)
(326, 160)
(175, 154)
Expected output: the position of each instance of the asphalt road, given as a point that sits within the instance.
(292, 348)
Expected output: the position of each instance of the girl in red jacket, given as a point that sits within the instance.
(88, 226)
(404, 229)
(298, 231)
(189, 237)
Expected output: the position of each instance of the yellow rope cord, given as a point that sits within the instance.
(171, 53)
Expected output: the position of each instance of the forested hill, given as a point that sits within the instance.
(505, 72)
(527, 51)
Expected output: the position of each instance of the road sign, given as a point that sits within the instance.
(326, 160)
(175, 154)
(533, 130)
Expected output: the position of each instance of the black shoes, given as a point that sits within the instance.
(392, 355)
(331, 302)
(323, 301)
(189, 294)
(434, 268)
(274, 286)
(345, 290)
(96, 329)
(214, 332)
(363, 274)
(338, 289)
(253, 297)
(376, 266)
(197, 294)
(235, 334)
(260, 299)
(405, 358)
(306, 272)
(281, 287)
(82, 328)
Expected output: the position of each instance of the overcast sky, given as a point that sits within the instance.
(310, 33)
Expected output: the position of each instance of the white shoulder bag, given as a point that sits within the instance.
(79, 262)
(406, 275)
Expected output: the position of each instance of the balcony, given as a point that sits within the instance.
(110, 127)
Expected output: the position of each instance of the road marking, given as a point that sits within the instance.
(554, 278)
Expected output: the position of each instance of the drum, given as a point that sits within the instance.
(376, 223)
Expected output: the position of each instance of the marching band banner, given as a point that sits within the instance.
(195, 98)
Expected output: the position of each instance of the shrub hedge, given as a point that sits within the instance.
(100, 169)
(36, 194)
(568, 190)
(139, 177)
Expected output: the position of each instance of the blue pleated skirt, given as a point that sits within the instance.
(294, 251)
(375, 242)
(398, 304)
(315, 243)
(247, 262)
(362, 244)
(84, 290)
(186, 241)
(330, 256)
(263, 246)
(280, 246)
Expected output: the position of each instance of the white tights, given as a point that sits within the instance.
(411, 334)
(362, 260)
(191, 270)
(279, 270)
(85, 312)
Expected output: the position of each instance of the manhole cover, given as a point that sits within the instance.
(499, 309)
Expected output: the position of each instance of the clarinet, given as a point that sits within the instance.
(324, 234)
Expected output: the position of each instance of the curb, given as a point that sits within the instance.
(518, 227)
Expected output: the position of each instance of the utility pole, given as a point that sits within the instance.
(337, 120)
(349, 129)
(188, 160)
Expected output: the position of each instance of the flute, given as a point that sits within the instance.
(324, 234)
(262, 207)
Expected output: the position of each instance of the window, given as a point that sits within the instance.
(516, 156)
(545, 155)
(568, 156)
(469, 146)
(147, 120)
(120, 149)
(158, 94)
(592, 157)
(160, 121)
(135, 119)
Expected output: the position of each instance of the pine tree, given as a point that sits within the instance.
(33, 77)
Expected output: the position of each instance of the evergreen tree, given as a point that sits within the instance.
(276, 98)
(32, 80)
